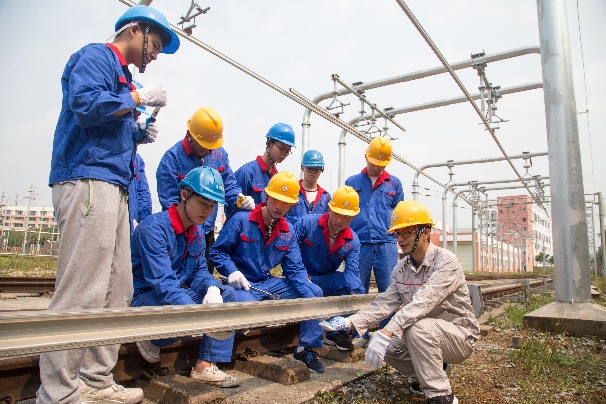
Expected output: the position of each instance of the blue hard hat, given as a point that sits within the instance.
(138, 85)
(150, 14)
(313, 158)
(206, 182)
(282, 132)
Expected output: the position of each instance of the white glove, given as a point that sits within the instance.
(154, 95)
(237, 281)
(247, 203)
(213, 295)
(375, 352)
(337, 323)
(150, 129)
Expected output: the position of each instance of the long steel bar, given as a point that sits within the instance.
(25, 333)
(489, 128)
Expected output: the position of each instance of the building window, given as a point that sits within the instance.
(523, 219)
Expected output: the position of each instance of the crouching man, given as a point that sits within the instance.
(169, 268)
(433, 323)
(252, 243)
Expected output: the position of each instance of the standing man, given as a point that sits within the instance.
(251, 244)
(433, 322)
(327, 243)
(312, 197)
(254, 176)
(93, 150)
(202, 146)
(379, 194)
(169, 268)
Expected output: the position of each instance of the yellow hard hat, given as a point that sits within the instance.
(379, 151)
(409, 213)
(284, 186)
(206, 127)
(345, 201)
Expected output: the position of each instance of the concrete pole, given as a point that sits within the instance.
(473, 240)
(572, 280)
(602, 232)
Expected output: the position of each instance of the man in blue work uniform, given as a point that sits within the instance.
(254, 176)
(312, 197)
(251, 244)
(327, 243)
(169, 268)
(202, 146)
(91, 168)
(379, 194)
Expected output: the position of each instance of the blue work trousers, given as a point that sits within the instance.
(211, 350)
(380, 258)
(310, 332)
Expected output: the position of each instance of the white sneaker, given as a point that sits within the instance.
(149, 351)
(111, 394)
(214, 376)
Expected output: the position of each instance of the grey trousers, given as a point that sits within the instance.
(426, 346)
(93, 271)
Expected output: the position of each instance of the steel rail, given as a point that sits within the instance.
(12, 284)
(437, 52)
(25, 333)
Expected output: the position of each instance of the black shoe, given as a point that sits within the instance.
(310, 358)
(449, 399)
(415, 388)
(341, 340)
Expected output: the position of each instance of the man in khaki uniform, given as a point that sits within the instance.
(433, 322)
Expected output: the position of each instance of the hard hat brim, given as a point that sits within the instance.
(280, 197)
(377, 162)
(345, 212)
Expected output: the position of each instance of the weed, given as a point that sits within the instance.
(19, 265)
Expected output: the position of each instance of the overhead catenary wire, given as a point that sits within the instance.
(293, 95)
(586, 102)
(437, 52)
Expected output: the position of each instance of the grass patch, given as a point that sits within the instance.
(28, 266)
(542, 357)
(513, 313)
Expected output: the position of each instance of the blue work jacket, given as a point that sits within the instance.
(242, 246)
(377, 202)
(178, 161)
(320, 259)
(167, 258)
(252, 178)
(303, 207)
(89, 142)
(139, 196)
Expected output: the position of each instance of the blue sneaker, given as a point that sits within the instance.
(310, 358)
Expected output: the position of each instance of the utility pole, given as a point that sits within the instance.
(29, 205)
(2, 220)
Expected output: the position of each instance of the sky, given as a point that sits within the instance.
(300, 45)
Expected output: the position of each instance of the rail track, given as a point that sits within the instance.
(19, 376)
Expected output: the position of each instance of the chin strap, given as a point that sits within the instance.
(145, 42)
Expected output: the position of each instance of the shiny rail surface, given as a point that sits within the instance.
(10, 284)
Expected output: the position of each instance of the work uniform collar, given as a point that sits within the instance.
(118, 55)
(177, 224)
(257, 217)
(343, 235)
(427, 259)
(318, 195)
(263, 167)
(186, 146)
(382, 178)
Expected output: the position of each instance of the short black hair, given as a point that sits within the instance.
(156, 29)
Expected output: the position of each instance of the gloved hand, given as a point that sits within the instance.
(337, 323)
(237, 281)
(213, 295)
(375, 352)
(154, 95)
(245, 202)
(150, 129)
